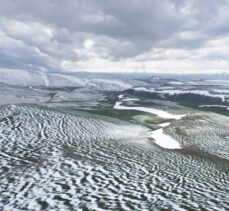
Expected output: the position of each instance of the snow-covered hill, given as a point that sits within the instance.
(39, 78)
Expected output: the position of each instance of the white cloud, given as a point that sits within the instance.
(208, 59)
(88, 44)
(159, 36)
(27, 30)
(191, 35)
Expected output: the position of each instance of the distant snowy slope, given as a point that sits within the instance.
(21, 77)
(39, 78)
(110, 84)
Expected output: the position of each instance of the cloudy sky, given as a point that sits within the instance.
(181, 36)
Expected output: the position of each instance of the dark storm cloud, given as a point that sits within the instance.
(47, 32)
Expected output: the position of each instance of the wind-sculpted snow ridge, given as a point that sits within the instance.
(56, 161)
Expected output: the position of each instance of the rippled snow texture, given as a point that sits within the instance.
(55, 161)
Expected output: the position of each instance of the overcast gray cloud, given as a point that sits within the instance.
(148, 35)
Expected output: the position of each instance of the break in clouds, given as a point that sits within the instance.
(136, 35)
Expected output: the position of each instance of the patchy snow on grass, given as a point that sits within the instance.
(197, 92)
(218, 93)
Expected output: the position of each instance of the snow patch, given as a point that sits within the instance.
(120, 97)
(163, 140)
(198, 92)
(166, 124)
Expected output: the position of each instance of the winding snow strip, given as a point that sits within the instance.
(130, 99)
(215, 106)
(175, 83)
(120, 97)
(164, 140)
(222, 91)
(144, 89)
(160, 113)
(166, 124)
(161, 139)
